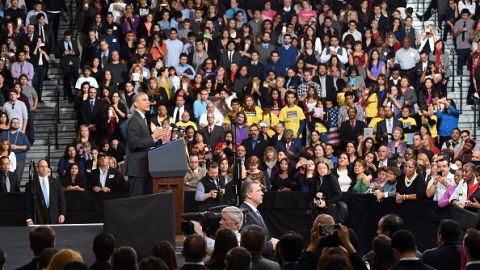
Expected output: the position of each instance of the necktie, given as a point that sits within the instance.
(104, 59)
(7, 183)
(210, 130)
(230, 56)
(42, 33)
(265, 45)
(92, 105)
(254, 143)
(288, 146)
(352, 123)
(21, 69)
(261, 219)
(463, 33)
(69, 46)
(45, 192)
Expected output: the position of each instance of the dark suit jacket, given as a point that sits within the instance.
(213, 139)
(193, 267)
(349, 133)
(32, 265)
(411, 265)
(382, 129)
(187, 108)
(225, 62)
(252, 218)
(259, 149)
(66, 60)
(48, 35)
(260, 263)
(101, 265)
(383, 25)
(419, 70)
(57, 204)
(446, 257)
(114, 180)
(330, 89)
(295, 147)
(92, 117)
(14, 183)
(473, 267)
(138, 143)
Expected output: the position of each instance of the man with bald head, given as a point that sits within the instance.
(139, 141)
(50, 201)
(213, 133)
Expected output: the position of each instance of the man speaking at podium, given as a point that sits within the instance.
(139, 141)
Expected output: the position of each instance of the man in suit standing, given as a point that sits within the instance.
(327, 85)
(404, 249)
(194, 251)
(49, 198)
(265, 48)
(352, 128)
(252, 197)
(230, 56)
(139, 140)
(8, 180)
(386, 126)
(180, 107)
(40, 238)
(43, 31)
(255, 144)
(92, 113)
(447, 255)
(213, 134)
(68, 53)
(289, 145)
(471, 246)
(104, 178)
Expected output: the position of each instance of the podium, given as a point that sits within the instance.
(167, 165)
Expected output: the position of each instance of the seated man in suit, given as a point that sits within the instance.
(104, 178)
(404, 249)
(40, 238)
(194, 251)
(8, 180)
(289, 145)
(255, 144)
(213, 133)
(383, 160)
(352, 128)
(253, 239)
(471, 246)
(386, 126)
(446, 256)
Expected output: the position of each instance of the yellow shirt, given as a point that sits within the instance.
(405, 123)
(184, 125)
(433, 128)
(321, 128)
(341, 99)
(292, 117)
(272, 120)
(373, 124)
(232, 114)
(165, 85)
(253, 116)
(371, 110)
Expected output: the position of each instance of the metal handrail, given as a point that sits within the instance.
(49, 145)
(475, 118)
(56, 115)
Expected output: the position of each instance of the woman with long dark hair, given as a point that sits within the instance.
(6, 151)
(74, 179)
(325, 188)
(225, 239)
(69, 158)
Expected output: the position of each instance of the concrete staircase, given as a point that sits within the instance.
(44, 122)
(457, 85)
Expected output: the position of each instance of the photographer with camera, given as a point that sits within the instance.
(325, 235)
(210, 189)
